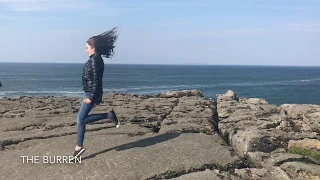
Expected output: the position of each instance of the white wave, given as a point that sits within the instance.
(163, 87)
(212, 84)
(59, 92)
(307, 80)
(266, 83)
(144, 89)
(23, 93)
(154, 91)
(52, 92)
(115, 89)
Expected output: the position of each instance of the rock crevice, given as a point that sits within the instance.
(177, 135)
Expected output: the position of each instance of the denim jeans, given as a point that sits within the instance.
(84, 118)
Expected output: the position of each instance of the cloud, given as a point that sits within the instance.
(6, 17)
(113, 11)
(19, 1)
(180, 3)
(62, 5)
(46, 5)
(86, 8)
(305, 26)
(245, 32)
(17, 17)
(206, 34)
(191, 28)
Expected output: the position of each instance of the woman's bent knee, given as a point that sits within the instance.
(80, 120)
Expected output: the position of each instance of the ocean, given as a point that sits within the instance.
(276, 84)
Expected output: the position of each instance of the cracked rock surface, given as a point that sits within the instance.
(174, 135)
(163, 136)
(263, 133)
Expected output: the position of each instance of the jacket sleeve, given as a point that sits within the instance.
(95, 79)
(83, 78)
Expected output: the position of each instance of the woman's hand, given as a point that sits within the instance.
(87, 101)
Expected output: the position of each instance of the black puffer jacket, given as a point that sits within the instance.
(92, 76)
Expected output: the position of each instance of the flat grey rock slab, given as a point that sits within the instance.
(119, 157)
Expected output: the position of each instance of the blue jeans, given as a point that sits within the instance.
(84, 118)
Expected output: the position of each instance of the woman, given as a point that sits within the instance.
(96, 46)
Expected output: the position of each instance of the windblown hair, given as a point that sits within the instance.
(104, 43)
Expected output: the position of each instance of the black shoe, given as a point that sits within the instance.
(115, 119)
(76, 154)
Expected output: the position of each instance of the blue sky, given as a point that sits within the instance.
(229, 32)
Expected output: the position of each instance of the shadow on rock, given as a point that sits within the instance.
(140, 143)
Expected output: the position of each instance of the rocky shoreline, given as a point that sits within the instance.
(173, 135)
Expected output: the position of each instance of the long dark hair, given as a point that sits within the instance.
(104, 43)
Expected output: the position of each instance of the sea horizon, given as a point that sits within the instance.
(142, 64)
(277, 84)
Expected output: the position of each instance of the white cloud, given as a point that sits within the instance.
(20, 1)
(184, 28)
(305, 26)
(246, 32)
(6, 17)
(62, 5)
(181, 3)
(15, 17)
(87, 8)
(46, 5)
(113, 11)
(59, 5)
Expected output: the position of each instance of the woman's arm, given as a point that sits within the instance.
(83, 78)
(95, 79)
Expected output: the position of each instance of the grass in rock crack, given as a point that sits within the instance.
(304, 152)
